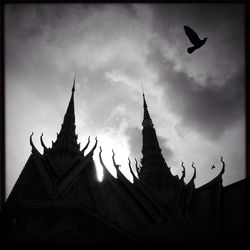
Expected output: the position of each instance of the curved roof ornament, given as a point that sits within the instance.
(94, 147)
(31, 142)
(100, 157)
(41, 140)
(83, 150)
(223, 166)
(136, 167)
(53, 143)
(131, 170)
(183, 171)
(105, 170)
(218, 178)
(194, 175)
(113, 158)
(34, 149)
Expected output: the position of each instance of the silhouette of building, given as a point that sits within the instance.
(58, 200)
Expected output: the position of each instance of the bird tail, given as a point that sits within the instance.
(191, 49)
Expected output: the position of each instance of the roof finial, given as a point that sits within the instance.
(74, 82)
(183, 171)
(223, 167)
(142, 88)
(147, 122)
(67, 137)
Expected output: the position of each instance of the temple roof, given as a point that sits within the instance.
(63, 178)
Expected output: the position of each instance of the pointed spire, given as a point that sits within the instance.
(147, 122)
(67, 138)
(150, 142)
(153, 163)
(74, 82)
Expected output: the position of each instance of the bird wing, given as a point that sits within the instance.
(192, 35)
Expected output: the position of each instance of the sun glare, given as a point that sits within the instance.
(120, 147)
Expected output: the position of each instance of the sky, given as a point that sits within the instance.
(196, 101)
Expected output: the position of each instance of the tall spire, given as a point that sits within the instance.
(150, 140)
(67, 138)
(147, 122)
(153, 163)
(74, 82)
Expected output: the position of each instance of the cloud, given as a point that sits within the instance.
(134, 137)
(113, 48)
(223, 24)
(209, 109)
(165, 149)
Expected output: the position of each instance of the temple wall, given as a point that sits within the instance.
(234, 207)
(202, 210)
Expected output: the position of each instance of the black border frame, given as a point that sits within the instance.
(2, 76)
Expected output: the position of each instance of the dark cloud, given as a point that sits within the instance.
(223, 24)
(134, 136)
(209, 109)
(206, 17)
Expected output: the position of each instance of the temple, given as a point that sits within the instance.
(57, 198)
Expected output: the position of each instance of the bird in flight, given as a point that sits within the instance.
(194, 39)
